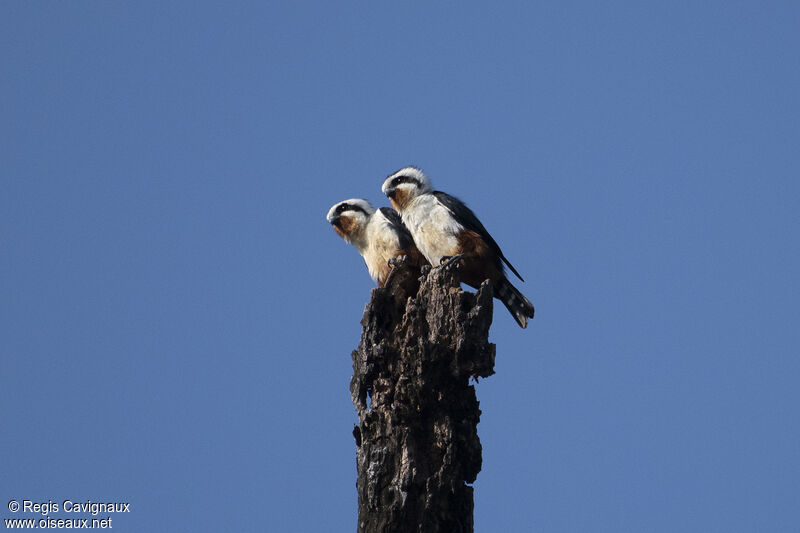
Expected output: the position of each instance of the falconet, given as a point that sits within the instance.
(378, 234)
(444, 228)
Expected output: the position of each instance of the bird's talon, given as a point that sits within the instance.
(449, 261)
(397, 260)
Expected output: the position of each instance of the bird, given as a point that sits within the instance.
(445, 229)
(378, 234)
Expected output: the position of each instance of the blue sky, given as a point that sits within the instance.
(176, 316)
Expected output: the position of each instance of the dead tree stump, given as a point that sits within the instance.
(417, 441)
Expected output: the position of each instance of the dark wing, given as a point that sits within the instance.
(404, 236)
(467, 218)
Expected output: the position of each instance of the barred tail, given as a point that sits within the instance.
(519, 306)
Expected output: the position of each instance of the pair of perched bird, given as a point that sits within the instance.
(428, 227)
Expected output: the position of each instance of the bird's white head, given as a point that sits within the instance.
(404, 185)
(349, 218)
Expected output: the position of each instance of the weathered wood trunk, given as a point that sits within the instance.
(417, 442)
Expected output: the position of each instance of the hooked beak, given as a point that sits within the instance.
(335, 221)
(390, 193)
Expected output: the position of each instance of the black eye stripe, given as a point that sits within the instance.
(349, 207)
(404, 179)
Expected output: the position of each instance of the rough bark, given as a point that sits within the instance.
(417, 442)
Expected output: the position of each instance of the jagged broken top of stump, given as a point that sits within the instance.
(430, 315)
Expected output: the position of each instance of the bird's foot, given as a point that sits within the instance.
(394, 261)
(394, 268)
(450, 261)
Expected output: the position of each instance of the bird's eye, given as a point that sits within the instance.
(396, 182)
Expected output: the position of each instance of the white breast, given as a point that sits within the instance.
(382, 244)
(432, 226)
